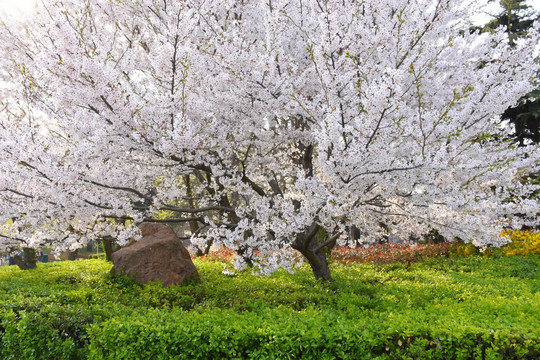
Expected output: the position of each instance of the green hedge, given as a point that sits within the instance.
(51, 333)
(284, 334)
(457, 308)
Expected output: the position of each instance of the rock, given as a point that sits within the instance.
(158, 256)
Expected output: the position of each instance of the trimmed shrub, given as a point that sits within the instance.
(459, 308)
(284, 334)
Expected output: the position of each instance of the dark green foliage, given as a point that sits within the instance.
(516, 16)
(455, 308)
(526, 117)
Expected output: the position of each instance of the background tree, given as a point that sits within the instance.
(517, 18)
(292, 120)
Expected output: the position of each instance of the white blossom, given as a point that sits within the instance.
(287, 118)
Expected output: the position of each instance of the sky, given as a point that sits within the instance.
(24, 7)
(21, 5)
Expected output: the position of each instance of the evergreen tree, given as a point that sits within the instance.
(518, 18)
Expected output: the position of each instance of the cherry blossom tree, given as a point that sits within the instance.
(267, 125)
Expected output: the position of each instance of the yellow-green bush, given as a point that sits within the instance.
(464, 249)
(524, 243)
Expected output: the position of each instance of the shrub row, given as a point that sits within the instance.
(284, 334)
(464, 308)
(391, 253)
(275, 334)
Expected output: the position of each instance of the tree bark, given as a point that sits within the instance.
(319, 264)
(72, 255)
(206, 249)
(242, 252)
(309, 245)
(29, 260)
(108, 248)
(193, 225)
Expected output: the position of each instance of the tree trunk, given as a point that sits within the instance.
(314, 250)
(28, 260)
(193, 225)
(206, 249)
(108, 248)
(242, 252)
(319, 264)
(354, 235)
(72, 255)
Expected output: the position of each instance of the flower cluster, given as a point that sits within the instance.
(377, 254)
(523, 243)
(219, 254)
(390, 253)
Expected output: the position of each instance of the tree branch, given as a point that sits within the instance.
(123, 188)
(328, 242)
(175, 220)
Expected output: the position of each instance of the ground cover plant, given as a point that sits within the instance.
(263, 125)
(456, 307)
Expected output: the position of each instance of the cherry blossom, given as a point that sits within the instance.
(265, 125)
